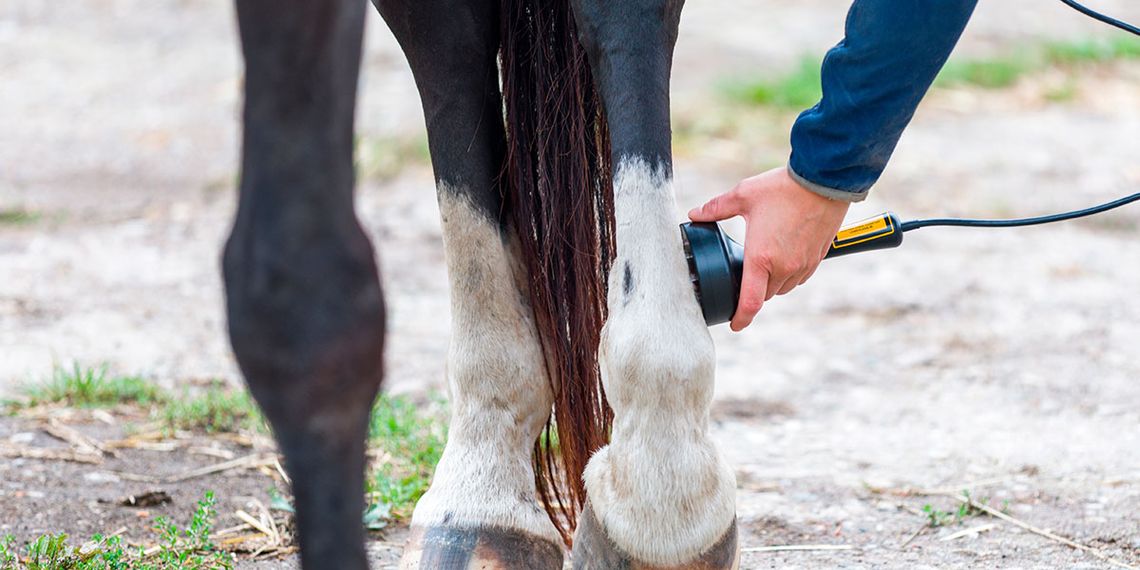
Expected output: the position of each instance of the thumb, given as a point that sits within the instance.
(719, 208)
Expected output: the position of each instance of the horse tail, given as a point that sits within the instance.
(559, 193)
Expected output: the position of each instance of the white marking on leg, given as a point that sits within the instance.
(500, 395)
(661, 488)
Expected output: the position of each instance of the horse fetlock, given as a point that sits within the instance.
(648, 363)
(661, 489)
(481, 483)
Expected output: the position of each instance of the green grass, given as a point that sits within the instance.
(800, 88)
(214, 410)
(90, 387)
(18, 217)
(188, 548)
(1092, 51)
(386, 157)
(414, 440)
(937, 518)
(411, 437)
(990, 73)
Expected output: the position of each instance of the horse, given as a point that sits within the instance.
(580, 370)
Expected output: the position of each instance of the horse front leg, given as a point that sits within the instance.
(660, 495)
(305, 307)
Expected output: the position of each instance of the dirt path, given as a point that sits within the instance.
(1008, 357)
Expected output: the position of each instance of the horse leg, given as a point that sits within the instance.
(481, 510)
(305, 307)
(660, 495)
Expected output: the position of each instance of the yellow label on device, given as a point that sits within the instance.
(864, 231)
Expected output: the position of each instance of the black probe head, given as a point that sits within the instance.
(716, 263)
(716, 266)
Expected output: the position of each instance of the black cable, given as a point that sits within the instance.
(915, 224)
(1103, 18)
(973, 223)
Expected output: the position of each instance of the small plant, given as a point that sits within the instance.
(966, 509)
(191, 547)
(8, 558)
(93, 387)
(936, 517)
(279, 502)
(52, 552)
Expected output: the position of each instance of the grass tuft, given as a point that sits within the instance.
(384, 158)
(413, 440)
(992, 73)
(798, 89)
(1092, 51)
(215, 410)
(91, 387)
(936, 517)
(18, 217)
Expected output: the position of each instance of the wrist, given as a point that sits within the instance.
(833, 194)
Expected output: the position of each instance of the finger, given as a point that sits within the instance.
(808, 274)
(753, 293)
(775, 285)
(791, 283)
(719, 208)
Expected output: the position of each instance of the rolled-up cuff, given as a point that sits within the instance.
(826, 192)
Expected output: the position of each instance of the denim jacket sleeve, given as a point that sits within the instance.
(872, 82)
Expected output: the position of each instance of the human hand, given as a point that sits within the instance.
(789, 230)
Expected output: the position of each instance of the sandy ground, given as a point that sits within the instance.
(1008, 358)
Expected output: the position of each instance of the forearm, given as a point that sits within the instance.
(872, 82)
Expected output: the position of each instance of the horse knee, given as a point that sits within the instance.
(306, 321)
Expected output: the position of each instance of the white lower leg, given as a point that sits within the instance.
(661, 489)
(500, 396)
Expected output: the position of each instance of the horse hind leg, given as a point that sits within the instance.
(305, 308)
(660, 495)
(481, 509)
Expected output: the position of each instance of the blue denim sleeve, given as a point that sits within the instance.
(872, 82)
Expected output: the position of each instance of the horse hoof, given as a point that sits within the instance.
(448, 548)
(593, 550)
